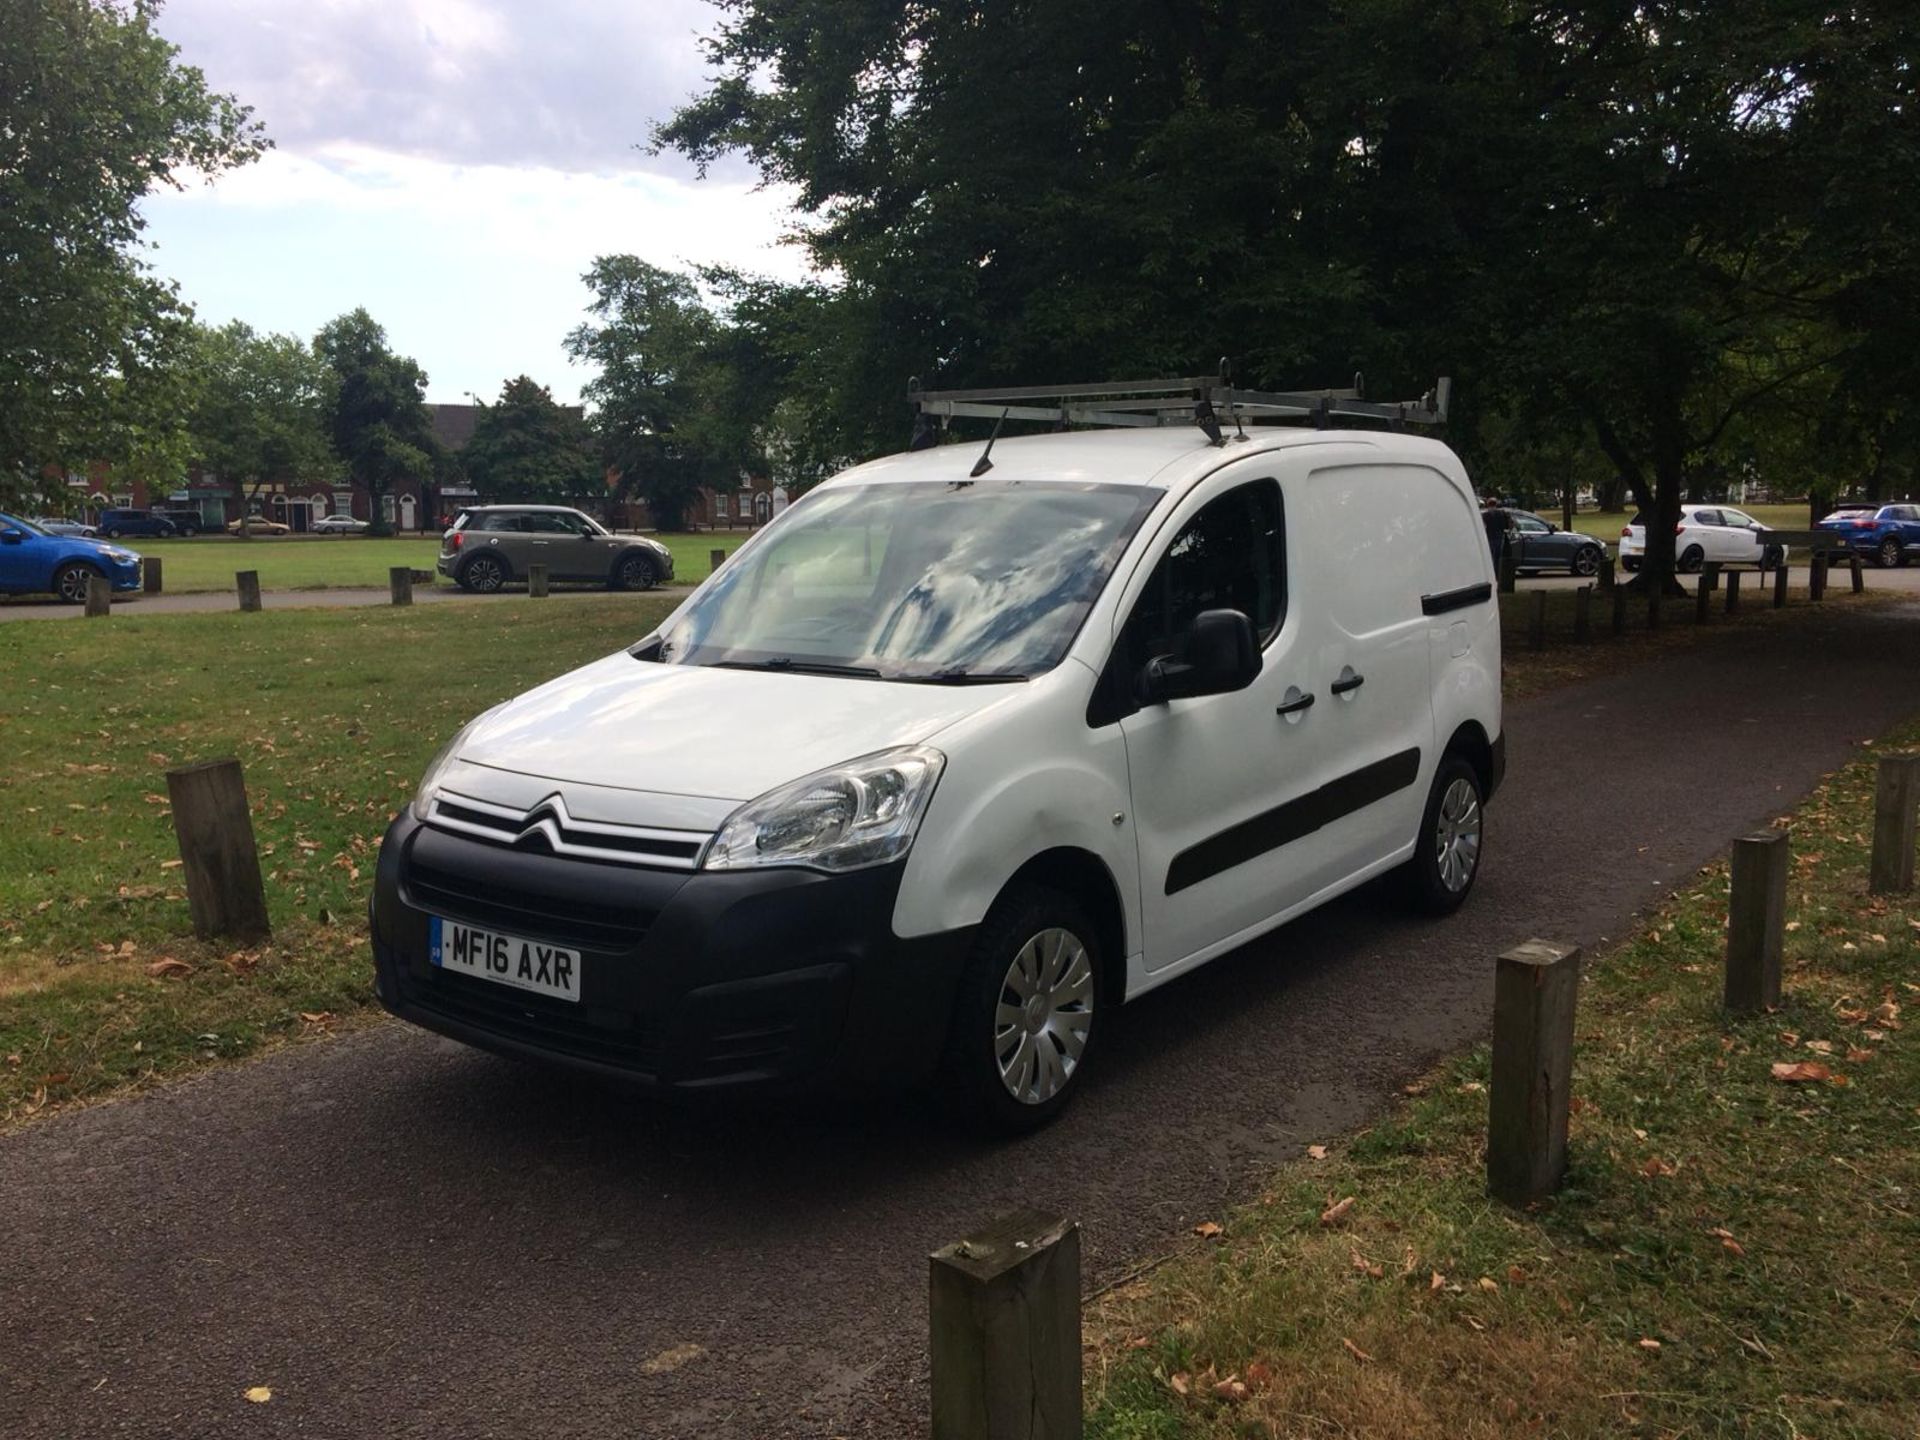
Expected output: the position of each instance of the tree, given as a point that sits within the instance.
(651, 340)
(262, 410)
(379, 422)
(95, 112)
(1651, 221)
(527, 448)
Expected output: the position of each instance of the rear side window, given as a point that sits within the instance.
(497, 523)
(1232, 555)
(1703, 517)
(1387, 536)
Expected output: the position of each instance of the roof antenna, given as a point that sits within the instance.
(985, 462)
(925, 434)
(1204, 417)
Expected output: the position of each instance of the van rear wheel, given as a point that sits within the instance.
(1024, 1015)
(1451, 842)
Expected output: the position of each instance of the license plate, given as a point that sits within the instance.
(506, 959)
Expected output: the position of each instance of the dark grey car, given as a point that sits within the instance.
(494, 545)
(1539, 545)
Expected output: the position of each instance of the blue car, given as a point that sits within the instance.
(1886, 535)
(32, 562)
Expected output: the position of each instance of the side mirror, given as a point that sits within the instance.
(11, 536)
(1216, 655)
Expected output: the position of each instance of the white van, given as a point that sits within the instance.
(949, 761)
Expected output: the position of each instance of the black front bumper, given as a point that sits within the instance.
(689, 981)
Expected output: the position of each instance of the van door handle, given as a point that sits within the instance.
(1294, 707)
(1352, 682)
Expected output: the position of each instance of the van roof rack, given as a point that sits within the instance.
(1203, 400)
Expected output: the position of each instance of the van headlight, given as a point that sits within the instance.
(865, 812)
(437, 769)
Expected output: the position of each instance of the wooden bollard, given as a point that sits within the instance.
(1756, 921)
(1703, 600)
(217, 852)
(1509, 570)
(1583, 615)
(715, 559)
(1005, 1310)
(99, 596)
(151, 574)
(1780, 586)
(1535, 988)
(1710, 576)
(1859, 575)
(247, 583)
(537, 581)
(1537, 620)
(1619, 611)
(1896, 804)
(400, 584)
(1606, 572)
(1733, 591)
(1817, 582)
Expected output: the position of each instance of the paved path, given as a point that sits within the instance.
(1903, 578)
(403, 1238)
(203, 602)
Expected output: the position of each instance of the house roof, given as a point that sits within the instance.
(453, 424)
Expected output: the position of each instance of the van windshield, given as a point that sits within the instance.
(979, 581)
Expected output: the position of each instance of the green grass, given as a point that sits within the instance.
(1731, 1255)
(333, 714)
(317, 562)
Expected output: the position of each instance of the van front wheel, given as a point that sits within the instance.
(1451, 843)
(1024, 1014)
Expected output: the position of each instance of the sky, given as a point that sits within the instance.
(454, 166)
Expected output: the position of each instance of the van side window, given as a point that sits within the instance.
(1230, 556)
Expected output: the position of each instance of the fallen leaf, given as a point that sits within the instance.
(1855, 1055)
(1336, 1213)
(171, 864)
(1179, 1382)
(1259, 1375)
(1731, 1245)
(167, 967)
(1438, 1281)
(1316, 1152)
(1354, 1350)
(317, 1017)
(259, 1394)
(1648, 1343)
(671, 1359)
(1800, 1071)
(1138, 1342)
(1489, 1284)
(1654, 1165)
(1820, 1047)
(1515, 1275)
(1368, 1267)
(1231, 1389)
(1207, 1230)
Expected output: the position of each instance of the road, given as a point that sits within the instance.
(405, 1239)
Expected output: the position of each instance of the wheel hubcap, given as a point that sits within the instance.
(1044, 1015)
(1457, 836)
(73, 586)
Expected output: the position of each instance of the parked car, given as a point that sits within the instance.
(1887, 535)
(938, 770)
(62, 527)
(340, 525)
(492, 545)
(1706, 532)
(1540, 545)
(33, 562)
(257, 525)
(188, 522)
(115, 523)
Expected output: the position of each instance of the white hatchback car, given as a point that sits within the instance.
(1706, 532)
(938, 770)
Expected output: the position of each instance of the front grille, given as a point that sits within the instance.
(549, 829)
(609, 1037)
(563, 920)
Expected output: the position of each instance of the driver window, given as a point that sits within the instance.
(1232, 555)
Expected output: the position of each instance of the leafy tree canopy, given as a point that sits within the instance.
(527, 448)
(95, 112)
(379, 423)
(262, 410)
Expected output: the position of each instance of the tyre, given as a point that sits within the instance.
(1772, 558)
(1024, 1013)
(483, 574)
(1586, 561)
(634, 572)
(1691, 559)
(112, 532)
(1451, 842)
(1889, 554)
(70, 582)
(1629, 565)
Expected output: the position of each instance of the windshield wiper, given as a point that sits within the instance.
(960, 675)
(800, 667)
